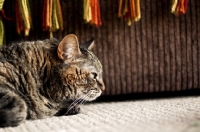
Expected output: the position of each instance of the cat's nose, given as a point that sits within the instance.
(103, 88)
(101, 83)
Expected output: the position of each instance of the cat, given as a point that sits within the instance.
(40, 79)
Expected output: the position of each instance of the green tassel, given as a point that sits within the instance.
(2, 35)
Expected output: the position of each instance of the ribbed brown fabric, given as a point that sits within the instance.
(159, 53)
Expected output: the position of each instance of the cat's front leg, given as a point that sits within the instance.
(70, 110)
(13, 110)
(73, 110)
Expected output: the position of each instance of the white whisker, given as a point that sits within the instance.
(79, 100)
(76, 101)
(83, 101)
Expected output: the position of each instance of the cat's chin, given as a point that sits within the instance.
(92, 98)
(89, 97)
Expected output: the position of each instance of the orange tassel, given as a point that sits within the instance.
(52, 19)
(179, 7)
(19, 24)
(91, 13)
(92, 3)
(130, 9)
(46, 15)
(137, 10)
(183, 6)
(98, 14)
(120, 8)
(23, 16)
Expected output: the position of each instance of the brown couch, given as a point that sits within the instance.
(159, 53)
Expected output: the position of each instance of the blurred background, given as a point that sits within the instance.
(156, 54)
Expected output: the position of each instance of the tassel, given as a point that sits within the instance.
(130, 9)
(179, 7)
(138, 13)
(52, 19)
(87, 11)
(59, 15)
(4, 16)
(2, 11)
(2, 32)
(23, 16)
(1, 4)
(120, 14)
(91, 12)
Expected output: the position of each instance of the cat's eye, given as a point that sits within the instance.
(94, 75)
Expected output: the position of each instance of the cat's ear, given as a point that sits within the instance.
(68, 48)
(88, 45)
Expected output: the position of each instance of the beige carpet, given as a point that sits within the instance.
(158, 115)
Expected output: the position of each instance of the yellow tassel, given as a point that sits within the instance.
(52, 16)
(130, 9)
(2, 33)
(174, 4)
(137, 10)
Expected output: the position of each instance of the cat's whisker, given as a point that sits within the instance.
(83, 101)
(74, 103)
(77, 101)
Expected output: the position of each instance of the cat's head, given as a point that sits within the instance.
(82, 70)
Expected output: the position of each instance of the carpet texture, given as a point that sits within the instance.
(157, 115)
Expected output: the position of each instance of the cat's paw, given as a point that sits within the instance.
(73, 111)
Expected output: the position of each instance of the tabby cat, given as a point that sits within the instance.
(47, 78)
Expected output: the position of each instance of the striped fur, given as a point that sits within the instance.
(42, 78)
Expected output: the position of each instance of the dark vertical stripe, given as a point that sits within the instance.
(130, 84)
(189, 48)
(99, 45)
(169, 84)
(67, 17)
(184, 52)
(163, 86)
(137, 61)
(76, 18)
(121, 51)
(116, 44)
(172, 54)
(161, 46)
(104, 45)
(178, 53)
(127, 59)
(119, 33)
(122, 54)
(144, 47)
(166, 53)
(139, 55)
(70, 16)
(197, 38)
(146, 10)
(134, 70)
(149, 40)
(156, 47)
(142, 59)
(110, 45)
(194, 44)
